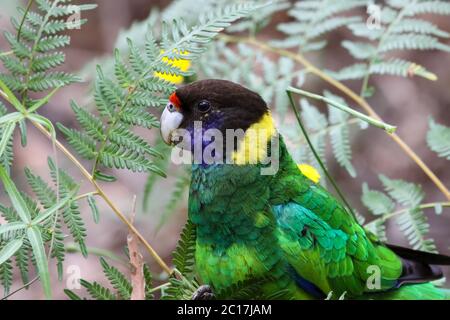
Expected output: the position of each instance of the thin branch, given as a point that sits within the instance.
(105, 197)
(99, 252)
(26, 285)
(316, 155)
(376, 123)
(399, 212)
(85, 195)
(6, 53)
(348, 92)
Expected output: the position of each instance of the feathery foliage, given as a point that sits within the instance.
(396, 26)
(120, 285)
(66, 217)
(313, 19)
(438, 139)
(411, 219)
(36, 47)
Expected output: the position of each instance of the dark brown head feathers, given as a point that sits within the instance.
(232, 105)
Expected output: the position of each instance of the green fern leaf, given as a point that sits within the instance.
(52, 42)
(412, 42)
(438, 139)
(405, 193)
(377, 202)
(117, 279)
(419, 26)
(183, 256)
(82, 143)
(97, 291)
(339, 135)
(353, 72)
(148, 283)
(120, 135)
(92, 125)
(359, 50)
(139, 117)
(6, 274)
(402, 68)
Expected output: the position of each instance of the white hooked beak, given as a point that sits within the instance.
(170, 121)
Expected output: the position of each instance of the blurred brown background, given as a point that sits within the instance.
(406, 103)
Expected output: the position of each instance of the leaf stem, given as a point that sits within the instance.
(383, 38)
(379, 124)
(398, 212)
(348, 92)
(6, 53)
(85, 195)
(319, 160)
(105, 197)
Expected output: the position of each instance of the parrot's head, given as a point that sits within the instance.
(211, 107)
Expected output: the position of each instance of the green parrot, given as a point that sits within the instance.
(258, 217)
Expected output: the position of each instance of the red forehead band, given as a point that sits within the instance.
(175, 100)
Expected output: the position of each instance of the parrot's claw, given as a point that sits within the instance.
(204, 292)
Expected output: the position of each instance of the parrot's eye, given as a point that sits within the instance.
(204, 106)
(171, 107)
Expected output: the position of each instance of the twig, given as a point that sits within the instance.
(313, 150)
(136, 261)
(105, 197)
(347, 91)
(398, 212)
(6, 53)
(26, 285)
(72, 248)
(376, 123)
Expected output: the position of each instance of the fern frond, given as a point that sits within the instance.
(378, 228)
(92, 125)
(405, 193)
(419, 26)
(340, 136)
(81, 142)
(352, 72)
(314, 19)
(183, 256)
(117, 279)
(7, 156)
(34, 46)
(399, 67)
(412, 42)
(413, 222)
(359, 50)
(148, 277)
(97, 291)
(400, 29)
(438, 139)
(182, 289)
(139, 117)
(376, 201)
(415, 226)
(6, 274)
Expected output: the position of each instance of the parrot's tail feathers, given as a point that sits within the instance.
(420, 256)
(419, 266)
(418, 272)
